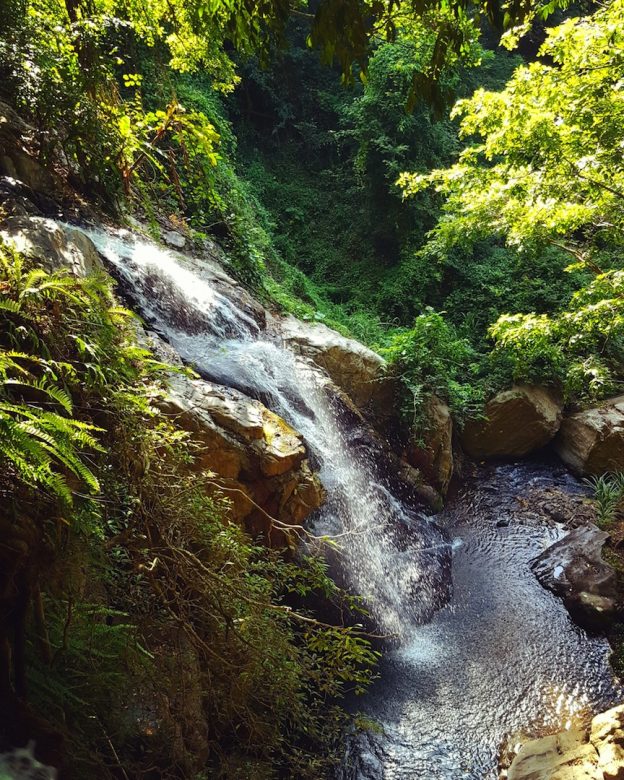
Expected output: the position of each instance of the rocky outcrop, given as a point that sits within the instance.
(592, 441)
(258, 460)
(174, 239)
(516, 422)
(357, 370)
(573, 569)
(16, 159)
(596, 753)
(54, 245)
(433, 456)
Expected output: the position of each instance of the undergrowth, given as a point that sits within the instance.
(162, 638)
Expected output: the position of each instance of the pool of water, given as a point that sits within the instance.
(501, 658)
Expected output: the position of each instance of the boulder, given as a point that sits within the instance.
(573, 569)
(54, 245)
(563, 756)
(596, 753)
(19, 200)
(607, 737)
(175, 239)
(259, 461)
(592, 441)
(357, 370)
(433, 456)
(516, 422)
(407, 480)
(16, 161)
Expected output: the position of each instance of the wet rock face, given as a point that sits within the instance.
(15, 160)
(357, 370)
(259, 461)
(517, 422)
(592, 441)
(434, 456)
(594, 754)
(573, 569)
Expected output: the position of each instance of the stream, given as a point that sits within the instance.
(502, 657)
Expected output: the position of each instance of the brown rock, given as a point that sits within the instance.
(563, 756)
(434, 457)
(257, 458)
(281, 447)
(607, 736)
(592, 441)
(357, 370)
(517, 422)
(594, 754)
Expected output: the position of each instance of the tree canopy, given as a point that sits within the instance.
(544, 167)
(546, 164)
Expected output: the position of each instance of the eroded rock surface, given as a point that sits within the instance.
(54, 245)
(573, 569)
(259, 461)
(517, 421)
(434, 455)
(357, 370)
(592, 441)
(596, 753)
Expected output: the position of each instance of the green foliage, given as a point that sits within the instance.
(82, 637)
(148, 588)
(582, 348)
(40, 372)
(608, 493)
(542, 170)
(430, 358)
(548, 164)
(346, 31)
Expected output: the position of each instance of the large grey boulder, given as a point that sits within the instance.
(592, 441)
(573, 569)
(54, 245)
(596, 753)
(516, 422)
(356, 369)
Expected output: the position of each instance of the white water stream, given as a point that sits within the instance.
(503, 656)
(390, 554)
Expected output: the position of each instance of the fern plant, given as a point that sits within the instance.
(57, 334)
(608, 493)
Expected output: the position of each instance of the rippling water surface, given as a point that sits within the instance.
(503, 657)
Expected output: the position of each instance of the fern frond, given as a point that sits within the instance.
(52, 391)
(11, 306)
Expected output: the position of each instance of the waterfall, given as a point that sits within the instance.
(388, 553)
(502, 657)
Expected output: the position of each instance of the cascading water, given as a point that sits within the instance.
(502, 656)
(390, 555)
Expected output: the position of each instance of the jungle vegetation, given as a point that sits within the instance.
(443, 180)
